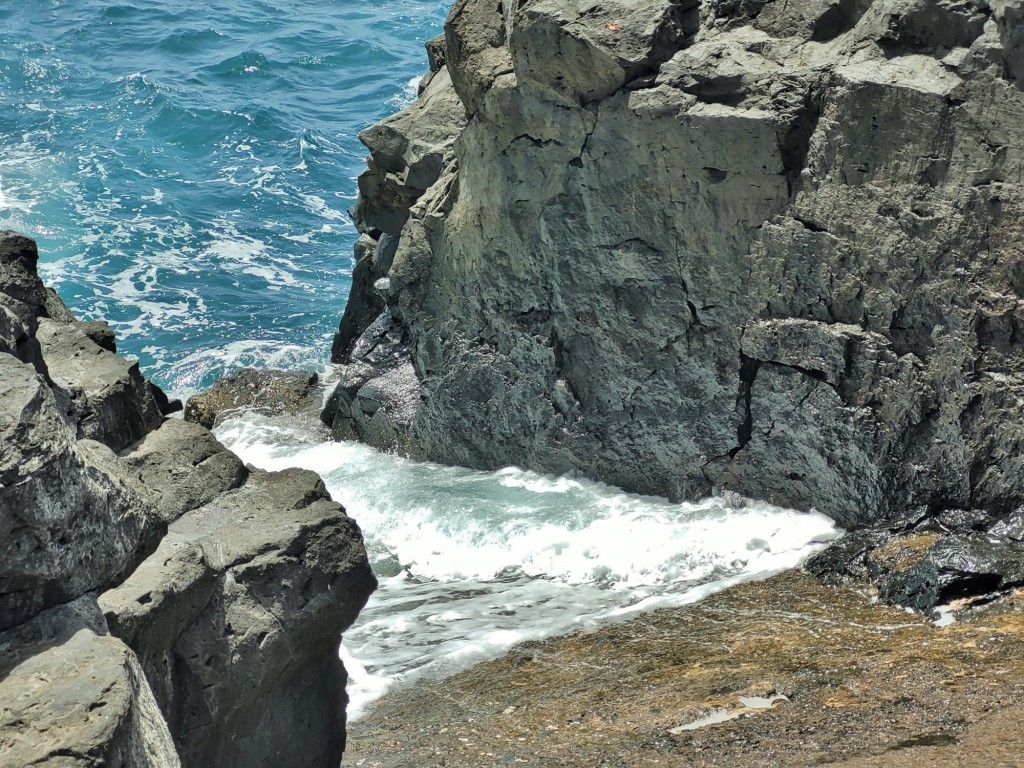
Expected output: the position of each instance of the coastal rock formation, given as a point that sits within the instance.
(770, 247)
(71, 696)
(236, 619)
(271, 391)
(110, 400)
(71, 522)
(952, 557)
(161, 604)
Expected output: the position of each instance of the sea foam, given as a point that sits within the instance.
(471, 563)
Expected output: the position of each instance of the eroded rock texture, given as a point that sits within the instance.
(267, 391)
(772, 247)
(224, 590)
(69, 520)
(72, 696)
(236, 619)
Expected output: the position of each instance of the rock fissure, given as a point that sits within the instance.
(749, 368)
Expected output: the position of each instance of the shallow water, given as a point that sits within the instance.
(471, 563)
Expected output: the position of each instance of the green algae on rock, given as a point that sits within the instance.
(864, 685)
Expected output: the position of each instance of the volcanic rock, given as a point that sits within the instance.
(226, 636)
(68, 523)
(274, 392)
(216, 612)
(768, 247)
(71, 696)
(111, 401)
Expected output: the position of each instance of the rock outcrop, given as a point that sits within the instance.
(71, 521)
(955, 557)
(236, 619)
(268, 391)
(72, 696)
(161, 604)
(771, 247)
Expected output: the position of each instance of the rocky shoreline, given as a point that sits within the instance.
(764, 247)
(755, 247)
(784, 672)
(161, 604)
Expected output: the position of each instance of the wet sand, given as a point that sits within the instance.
(865, 685)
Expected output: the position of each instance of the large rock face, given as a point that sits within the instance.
(224, 590)
(218, 610)
(772, 247)
(74, 697)
(70, 521)
(68, 524)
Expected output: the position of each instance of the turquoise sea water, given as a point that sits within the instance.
(187, 167)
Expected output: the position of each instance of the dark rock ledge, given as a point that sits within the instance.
(160, 603)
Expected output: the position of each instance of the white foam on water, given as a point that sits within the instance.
(10, 203)
(471, 563)
(26, 166)
(234, 252)
(410, 91)
(139, 286)
(317, 206)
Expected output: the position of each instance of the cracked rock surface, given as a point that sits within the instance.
(161, 604)
(236, 619)
(75, 697)
(769, 247)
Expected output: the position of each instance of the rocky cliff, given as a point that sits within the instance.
(161, 604)
(772, 247)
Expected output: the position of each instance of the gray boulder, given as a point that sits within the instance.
(957, 566)
(70, 524)
(111, 401)
(100, 333)
(237, 618)
(378, 392)
(182, 466)
(74, 697)
(269, 391)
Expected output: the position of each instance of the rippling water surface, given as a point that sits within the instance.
(187, 167)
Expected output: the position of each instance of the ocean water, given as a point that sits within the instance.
(186, 169)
